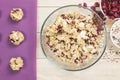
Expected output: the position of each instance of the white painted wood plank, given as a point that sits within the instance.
(102, 70)
(64, 2)
(42, 15)
(109, 23)
(40, 54)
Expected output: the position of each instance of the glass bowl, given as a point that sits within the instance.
(51, 19)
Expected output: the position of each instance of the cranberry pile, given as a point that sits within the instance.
(96, 8)
(111, 8)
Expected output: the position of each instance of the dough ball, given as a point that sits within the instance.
(16, 63)
(16, 37)
(16, 14)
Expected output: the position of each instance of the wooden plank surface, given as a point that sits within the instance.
(58, 3)
(102, 70)
(43, 12)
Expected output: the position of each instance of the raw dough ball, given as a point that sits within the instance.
(16, 14)
(16, 63)
(16, 37)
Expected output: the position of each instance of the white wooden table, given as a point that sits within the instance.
(102, 70)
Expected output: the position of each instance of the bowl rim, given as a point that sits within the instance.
(118, 20)
(102, 9)
(105, 31)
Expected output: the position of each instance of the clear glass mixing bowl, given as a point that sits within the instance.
(51, 19)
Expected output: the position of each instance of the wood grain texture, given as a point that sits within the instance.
(56, 3)
(102, 70)
(40, 54)
(43, 12)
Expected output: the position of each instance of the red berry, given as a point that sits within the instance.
(104, 18)
(85, 4)
(114, 9)
(96, 4)
(111, 17)
(116, 15)
(80, 4)
(113, 4)
(111, 12)
(93, 8)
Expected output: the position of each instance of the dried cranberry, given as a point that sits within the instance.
(80, 4)
(111, 12)
(55, 50)
(95, 53)
(96, 4)
(114, 9)
(116, 15)
(111, 17)
(111, 8)
(104, 5)
(99, 29)
(93, 8)
(62, 54)
(73, 22)
(114, 4)
(85, 4)
(15, 62)
(104, 18)
(83, 57)
(63, 16)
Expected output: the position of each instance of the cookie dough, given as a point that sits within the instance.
(16, 14)
(16, 63)
(74, 38)
(16, 37)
